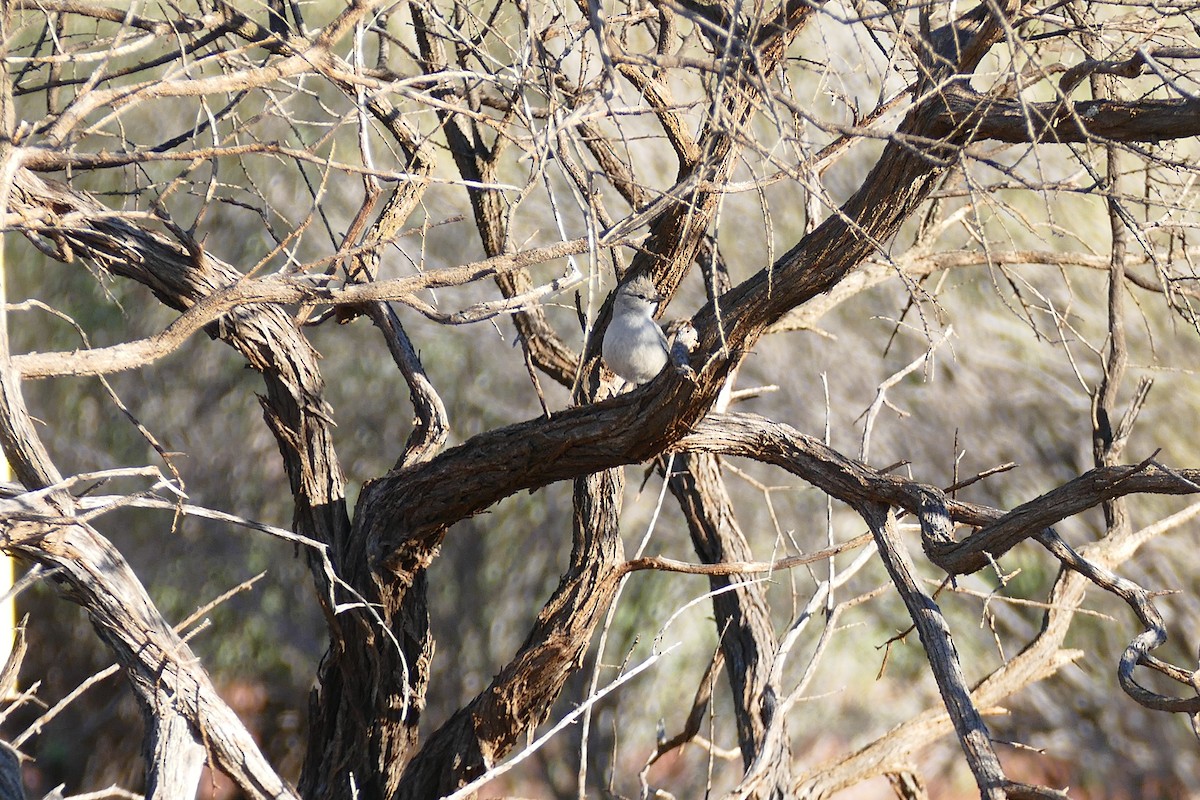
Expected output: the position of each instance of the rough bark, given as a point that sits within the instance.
(181, 274)
(522, 693)
(163, 671)
(996, 531)
(940, 650)
(747, 638)
(175, 757)
(367, 709)
(1101, 120)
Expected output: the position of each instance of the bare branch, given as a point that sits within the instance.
(941, 652)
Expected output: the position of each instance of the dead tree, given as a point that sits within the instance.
(605, 140)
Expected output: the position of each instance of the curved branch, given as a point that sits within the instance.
(1154, 635)
(522, 693)
(1038, 660)
(160, 666)
(852, 482)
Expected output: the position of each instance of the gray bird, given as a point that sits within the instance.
(634, 345)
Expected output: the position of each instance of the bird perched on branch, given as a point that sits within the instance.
(634, 345)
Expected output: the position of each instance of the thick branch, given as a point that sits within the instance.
(521, 695)
(1010, 120)
(852, 482)
(162, 669)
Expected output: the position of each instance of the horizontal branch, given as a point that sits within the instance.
(742, 567)
(853, 482)
(45, 159)
(638, 425)
(1029, 519)
(282, 290)
(918, 263)
(160, 27)
(1018, 121)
